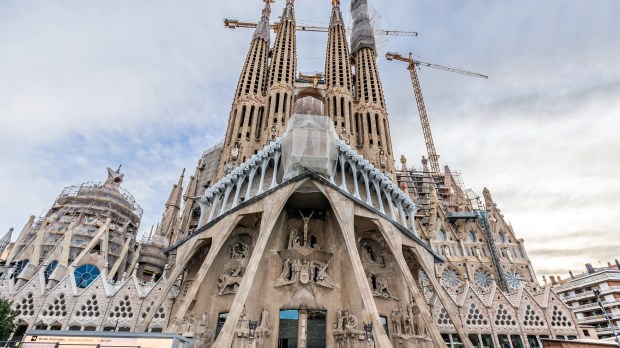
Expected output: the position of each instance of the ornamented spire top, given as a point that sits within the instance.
(362, 35)
(115, 177)
(262, 28)
(289, 11)
(336, 14)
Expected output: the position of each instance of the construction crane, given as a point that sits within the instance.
(417, 90)
(233, 24)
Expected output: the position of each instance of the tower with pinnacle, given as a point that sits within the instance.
(338, 76)
(246, 132)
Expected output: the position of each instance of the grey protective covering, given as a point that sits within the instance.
(310, 143)
(363, 33)
(262, 27)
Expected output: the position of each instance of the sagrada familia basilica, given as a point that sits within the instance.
(297, 230)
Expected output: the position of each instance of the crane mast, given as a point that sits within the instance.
(426, 127)
(433, 157)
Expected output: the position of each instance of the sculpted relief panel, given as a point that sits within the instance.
(377, 262)
(303, 261)
(239, 250)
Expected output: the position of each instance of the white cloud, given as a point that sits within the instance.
(148, 84)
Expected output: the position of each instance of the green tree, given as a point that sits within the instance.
(8, 319)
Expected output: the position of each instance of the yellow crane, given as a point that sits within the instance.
(233, 24)
(417, 90)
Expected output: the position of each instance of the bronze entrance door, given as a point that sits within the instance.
(302, 329)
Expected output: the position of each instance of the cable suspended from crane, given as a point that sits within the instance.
(233, 24)
(433, 157)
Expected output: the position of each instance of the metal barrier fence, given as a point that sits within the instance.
(9, 344)
(63, 345)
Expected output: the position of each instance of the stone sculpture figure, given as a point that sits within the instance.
(408, 325)
(234, 152)
(304, 274)
(351, 322)
(345, 320)
(342, 318)
(229, 282)
(286, 271)
(239, 251)
(478, 253)
(203, 320)
(188, 322)
(382, 159)
(420, 328)
(382, 289)
(320, 275)
(296, 266)
(306, 220)
(371, 256)
(397, 320)
(294, 240)
(264, 320)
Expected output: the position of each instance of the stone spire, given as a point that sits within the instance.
(245, 132)
(174, 200)
(262, 27)
(338, 76)
(6, 240)
(168, 223)
(280, 94)
(115, 177)
(371, 127)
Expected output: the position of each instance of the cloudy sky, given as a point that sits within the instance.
(89, 84)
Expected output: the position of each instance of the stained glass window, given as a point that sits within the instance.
(49, 269)
(450, 278)
(19, 267)
(482, 278)
(513, 279)
(85, 275)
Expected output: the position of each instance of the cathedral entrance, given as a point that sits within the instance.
(287, 337)
(317, 328)
(302, 328)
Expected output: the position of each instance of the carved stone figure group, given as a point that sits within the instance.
(302, 271)
(239, 251)
(379, 287)
(345, 320)
(409, 324)
(371, 256)
(229, 281)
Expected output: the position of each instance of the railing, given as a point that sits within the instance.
(606, 329)
(89, 187)
(611, 316)
(250, 179)
(595, 278)
(585, 294)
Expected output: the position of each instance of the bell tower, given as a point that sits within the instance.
(371, 126)
(245, 133)
(280, 93)
(338, 76)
